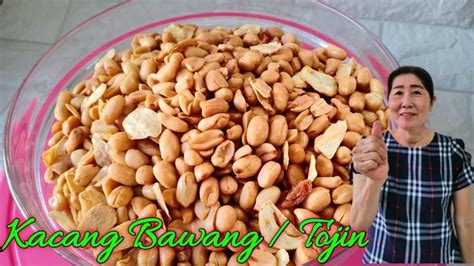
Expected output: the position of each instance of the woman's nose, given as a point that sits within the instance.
(407, 101)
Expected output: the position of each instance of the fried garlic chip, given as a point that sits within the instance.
(55, 153)
(321, 82)
(269, 227)
(312, 172)
(99, 218)
(267, 48)
(331, 139)
(96, 95)
(180, 32)
(142, 123)
(63, 219)
(320, 107)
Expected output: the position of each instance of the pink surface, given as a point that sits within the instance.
(14, 255)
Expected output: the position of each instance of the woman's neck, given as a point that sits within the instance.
(416, 137)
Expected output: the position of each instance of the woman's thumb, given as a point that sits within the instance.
(377, 129)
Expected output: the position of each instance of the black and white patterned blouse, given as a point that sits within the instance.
(414, 222)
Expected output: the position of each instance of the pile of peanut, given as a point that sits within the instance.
(205, 127)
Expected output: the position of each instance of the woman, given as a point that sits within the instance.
(406, 180)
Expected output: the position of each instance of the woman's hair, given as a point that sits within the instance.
(422, 74)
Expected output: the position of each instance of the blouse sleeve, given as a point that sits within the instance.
(464, 172)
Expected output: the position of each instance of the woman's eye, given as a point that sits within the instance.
(417, 92)
(398, 93)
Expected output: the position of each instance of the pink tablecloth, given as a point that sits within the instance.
(14, 255)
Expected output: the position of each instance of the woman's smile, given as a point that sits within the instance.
(407, 115)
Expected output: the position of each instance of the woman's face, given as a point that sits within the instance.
(409, 102)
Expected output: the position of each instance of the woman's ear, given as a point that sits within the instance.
(432, 103)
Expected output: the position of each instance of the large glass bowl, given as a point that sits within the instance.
(72, 58)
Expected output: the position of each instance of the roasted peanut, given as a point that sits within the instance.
(203, 171)
(328, 182)
(84, 174)
(186, 189)
(209, 191)
(213, 106)
(294, 174)
(343, 155)
(304, 255)
(278, 130)
(267, 152)
(346, 85)
(173, 123)
(58, 202)
(234, 133)
(120, 142)
(250, 60)
(324, 166)
(268, 174)
(257, 131)
(135, 158)
(169, 71)
(207, 140)
(217, 121)
(350, 139)
(373, 101)
(335, 52)
(318, 126)
(215, 80)
(357, 101)
(120, 196)
(267, 194)
(342, 214)
(169, 146)
(166, 174)
(223, 154)
(248, 195)
(363, 78)
(75, 140)
(342, 194)
(226, 218)
(113, 109)
(192, 157)
(210, 127)
(331, 66)
(247, 166)
(319, 199)
(296, 153)
(122, 174)
(144, 175)
(148, 257)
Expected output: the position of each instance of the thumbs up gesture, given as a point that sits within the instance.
(369, 156)
(377, 130)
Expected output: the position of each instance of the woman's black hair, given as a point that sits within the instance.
(422, 74)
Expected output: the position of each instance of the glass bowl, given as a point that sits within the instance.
(72, 58)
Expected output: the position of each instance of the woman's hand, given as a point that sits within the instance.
(369, 156)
